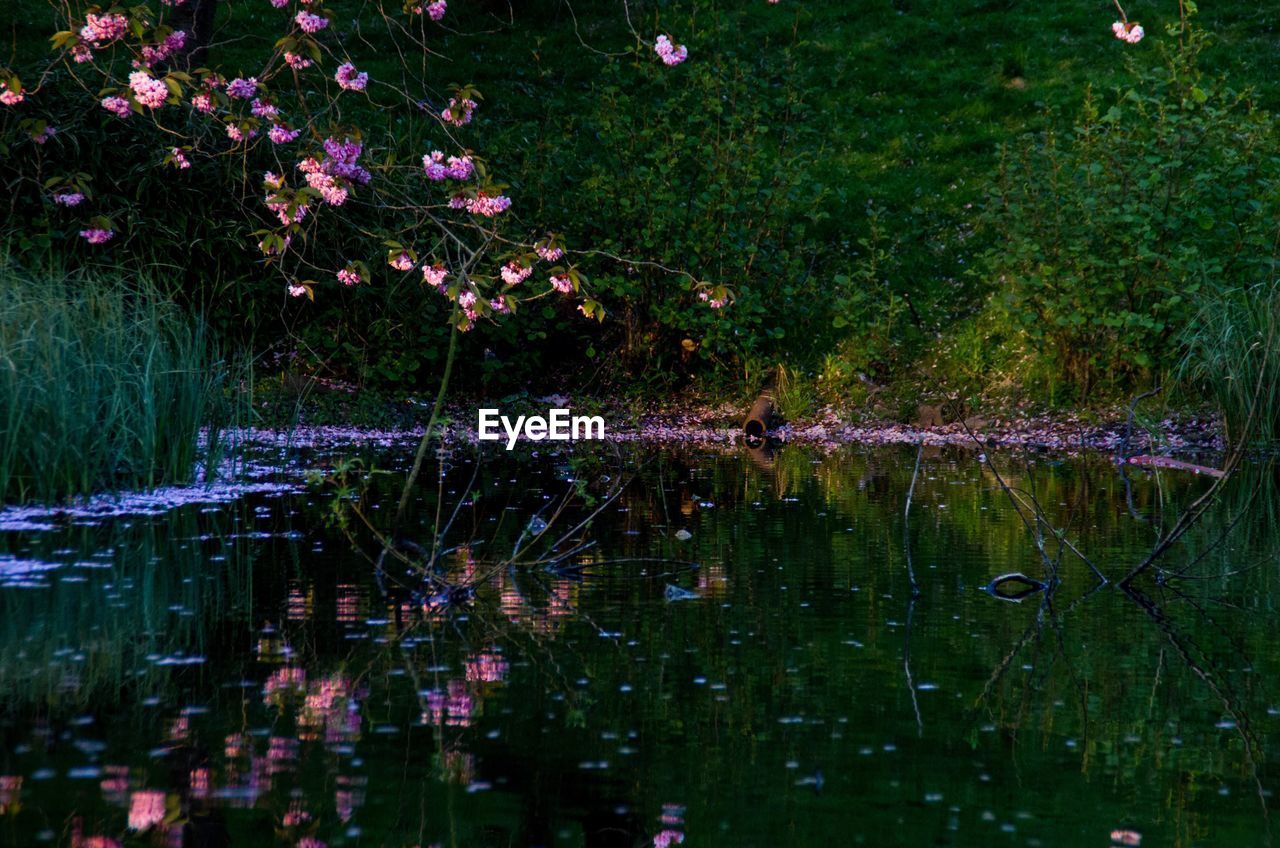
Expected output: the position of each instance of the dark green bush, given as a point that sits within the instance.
(1106, 235)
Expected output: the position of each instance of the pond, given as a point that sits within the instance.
(728, 653)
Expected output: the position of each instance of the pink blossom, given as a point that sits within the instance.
(1130, 33)
(348, 277)
(12, 98)
(146, 809)
(436, 10)
(435, 275)
(263, 108)
(296, 61)
(561, 283)
(148, 90)
(44, 135)
(488, 667)
(671, 54)
(713, 302)
(81, 53)
(549, 254)
(279, 4)
(280, 134)
(310, 23)
(236, 133)
(458, 114)
(498, 305)
(241, 88)
(117, 106)
(482, 204)
(668, 837)
(349, 79)
(513, 273)
(401, 261)
(296, 290)
(202, 102)
(97, 235)
(180, 160)
(68, 198)
(455, 168)
(172, 43)
(100, 30)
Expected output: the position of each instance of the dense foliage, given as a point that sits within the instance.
(829, 177)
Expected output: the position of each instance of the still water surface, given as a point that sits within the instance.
(737, 659)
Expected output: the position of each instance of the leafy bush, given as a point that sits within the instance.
(1107, 234)
(103, 384)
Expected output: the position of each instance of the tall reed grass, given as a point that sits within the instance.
(104, 384)
(1233, 359)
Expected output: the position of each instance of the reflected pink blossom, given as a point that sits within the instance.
(146, 809)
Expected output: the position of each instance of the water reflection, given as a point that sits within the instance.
(239, 675)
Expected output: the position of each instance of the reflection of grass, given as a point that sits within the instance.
(89, 634)
(102, 384)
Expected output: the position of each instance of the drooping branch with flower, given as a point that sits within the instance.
(294, 138)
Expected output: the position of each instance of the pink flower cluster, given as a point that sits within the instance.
(202, 102)
(435, 275)
(172, 43)
(310, 23)
(279, 4)
(68, 198)
(179, 159)
(454, 168)
(713, 302)
(402, 261)
(117, 106)
(281, 134)
(296, 290)
(263, 108)
(237, 133)
(44, 135)
(349, 79)
(513, 273)
(146, 809)
(561, 283)
(1128, 32)
(349, 277)
(482, 204)
(297, 62)
(436, 10)
(148, 90)
(671, 54)
(12, 98)
(548, 253)
(458, 114)
(100, 30)
(333, 176)
(242, 89)
(278, 204)
(97, 235)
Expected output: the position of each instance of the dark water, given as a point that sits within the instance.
(235, 675)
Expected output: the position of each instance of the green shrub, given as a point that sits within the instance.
(1107, 234)
(103, 384)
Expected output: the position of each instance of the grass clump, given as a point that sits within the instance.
(1233, 359)
(103, 385)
